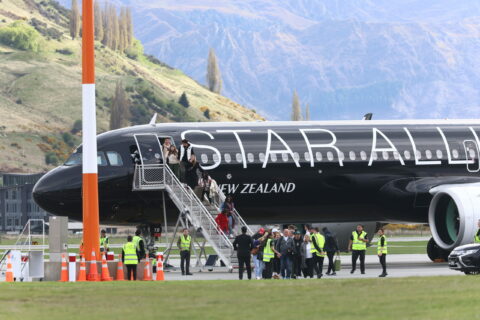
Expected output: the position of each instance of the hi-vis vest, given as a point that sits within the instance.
(136, 242)
(320, 240)
(380, 249)
(267, 251)
(185, 243)
(103, 243)
(357, 244)
(130, 253)
(477, 238)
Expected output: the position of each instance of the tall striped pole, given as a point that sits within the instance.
(91, 224)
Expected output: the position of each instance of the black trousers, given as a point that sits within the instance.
(244, 260)
(185, 261)
(355, 255)
(267, 271)
(318, 265)
(131, 271)
(383, 262)
(308, 272)
(297, 265)
(331, 264)
(276, 265)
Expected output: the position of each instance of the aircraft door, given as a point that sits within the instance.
(472, 153)
(149, 148)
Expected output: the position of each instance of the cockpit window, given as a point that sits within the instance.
(114, 158)
(76, 159)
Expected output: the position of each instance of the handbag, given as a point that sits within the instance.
(337, 263)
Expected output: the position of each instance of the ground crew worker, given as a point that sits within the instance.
(358, 246)
(139, 244)
(130, 258)
(184, 243)
(268, 255)
(382, 251)
(318, 255)
(103, 241)
(476, 239)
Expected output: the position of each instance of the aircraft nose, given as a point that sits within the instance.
(56, 190)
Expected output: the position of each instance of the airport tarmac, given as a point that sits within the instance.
(398, 266)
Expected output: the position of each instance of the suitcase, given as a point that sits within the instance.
(338, 263)
(211, 260)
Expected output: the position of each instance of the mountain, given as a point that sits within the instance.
(395, 58)
(40, 88)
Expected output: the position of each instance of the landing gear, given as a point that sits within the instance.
(436, 253)
(472, 272)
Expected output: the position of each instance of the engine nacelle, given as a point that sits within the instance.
(453, 214)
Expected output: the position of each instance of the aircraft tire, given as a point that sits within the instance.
(434, 252)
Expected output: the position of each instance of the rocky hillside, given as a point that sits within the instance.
(40, 88)
(396, 58)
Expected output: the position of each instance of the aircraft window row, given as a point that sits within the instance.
(115, 159)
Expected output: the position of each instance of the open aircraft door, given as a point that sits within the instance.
(150, 170)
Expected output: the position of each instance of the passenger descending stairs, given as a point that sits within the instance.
(150, 177)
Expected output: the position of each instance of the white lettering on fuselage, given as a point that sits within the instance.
(257, 188)
(330, 143)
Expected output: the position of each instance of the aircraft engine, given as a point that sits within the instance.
(453, 214)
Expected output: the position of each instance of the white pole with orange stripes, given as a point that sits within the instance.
(91, 224)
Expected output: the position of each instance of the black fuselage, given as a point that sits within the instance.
(288, 172)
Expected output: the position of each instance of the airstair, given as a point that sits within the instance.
(148, 177)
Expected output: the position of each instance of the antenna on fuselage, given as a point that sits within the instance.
(368, 116)
(153, 120)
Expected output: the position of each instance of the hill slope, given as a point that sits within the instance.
(40, 93)
(396, 58)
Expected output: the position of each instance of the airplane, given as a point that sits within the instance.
(336, 173)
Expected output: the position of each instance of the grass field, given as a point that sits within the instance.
(407, 298)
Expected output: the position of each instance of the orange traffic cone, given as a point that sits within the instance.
(120, 274)
(82, 274)
(147, 274)
(160, 275)
(9, 274)
(93, 272)
(64, 270)
(105, 273)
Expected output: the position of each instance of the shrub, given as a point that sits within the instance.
(77, 127)
(66, 52)
(21, 36)
(184, 100)
(206, 113)
(135, 50)
(68, 139)
(51, 158)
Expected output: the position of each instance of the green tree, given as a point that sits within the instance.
(77, 127)
(120, 108)
(21, 36)
(184, 100)
(214, 78)
(98, 21)
(74, 20)
(296, 109)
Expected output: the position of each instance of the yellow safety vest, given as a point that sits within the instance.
(267, 251)
(136, 242)
(104, 243)
(357, 244)
(477, 238)
(185, 243)
(380, 249)
(320, 240)
(130, 253)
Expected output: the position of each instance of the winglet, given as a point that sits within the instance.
(153, 120)
(368, 116)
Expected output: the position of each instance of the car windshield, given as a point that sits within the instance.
(76, 159)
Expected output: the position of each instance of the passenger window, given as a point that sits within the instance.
(76, 159)
(238, 157)
(261, 156)
(307, 156)
(439, 154)
(352, 156)
(285, 157)
(250, 157)
(296, 156)
(101, 160)
(363, 155)
(273, 156)
(385, 155)
(216, 158)
(428, 154)
(114, 158)
(455, 153)
(227, 157)
(318, 155)
(418, 154)
(341, 156)
(407, 154)
(204, 158)
(329, 155)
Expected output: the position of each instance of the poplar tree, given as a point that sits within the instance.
(98, 21)
(120, 108)
(296, 109)
(129, 20)
(307, 112)
(74, 20)
(214, 78)
(115, 28)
